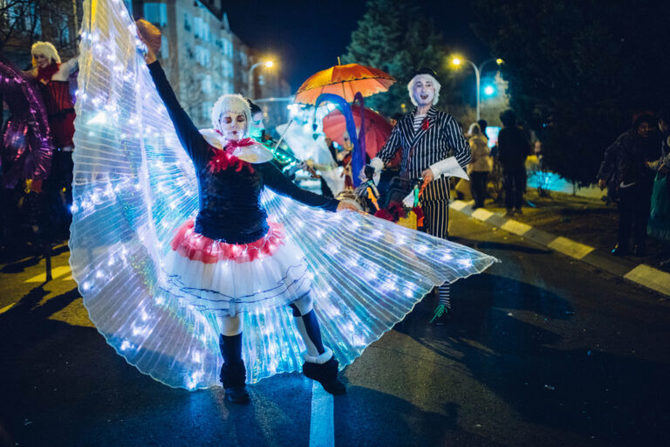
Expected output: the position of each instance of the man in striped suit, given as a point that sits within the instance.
(427, 137)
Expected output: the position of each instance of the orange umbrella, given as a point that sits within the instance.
(377, 128)
(344, 81)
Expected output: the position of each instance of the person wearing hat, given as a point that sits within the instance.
(428, 137)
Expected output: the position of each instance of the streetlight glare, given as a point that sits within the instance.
(489, 90)
(500, 61)
(456, 61)
(269, 64)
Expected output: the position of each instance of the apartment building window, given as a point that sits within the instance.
(156, 13)
(165, 47)
(226, 68)
(187, 22)
(202, 55)
(207, 84)
(198, 27)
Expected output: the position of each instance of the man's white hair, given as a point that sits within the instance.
(424, 77)
(47, 49)
(230, 103)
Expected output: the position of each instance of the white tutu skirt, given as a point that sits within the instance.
(226, 279)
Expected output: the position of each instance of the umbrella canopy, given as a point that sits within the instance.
(345, 81)
(377, 128)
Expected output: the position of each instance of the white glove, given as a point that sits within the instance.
(378, 164)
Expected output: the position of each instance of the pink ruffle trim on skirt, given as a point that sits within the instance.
(197, 247)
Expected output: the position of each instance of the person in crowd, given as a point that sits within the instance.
(427, 137)
(633, 180)
(480, 166)
(483, 124)
(53, 78)
(513, 148)
(659, 216)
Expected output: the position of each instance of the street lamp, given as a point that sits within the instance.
(269, 63)
(457, 61)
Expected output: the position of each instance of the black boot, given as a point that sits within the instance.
(233, 377)
(325, 374)
(233, 372)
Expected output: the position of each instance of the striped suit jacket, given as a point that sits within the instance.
(440, 138)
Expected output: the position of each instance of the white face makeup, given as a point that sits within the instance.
(41, 60)
(424, 91)
(233, 126)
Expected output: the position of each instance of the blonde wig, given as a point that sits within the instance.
(47, 49)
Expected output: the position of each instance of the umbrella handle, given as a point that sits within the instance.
(358, 159)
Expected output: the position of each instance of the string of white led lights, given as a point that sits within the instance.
(134, 185)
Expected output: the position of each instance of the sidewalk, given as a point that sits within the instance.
(582, 228)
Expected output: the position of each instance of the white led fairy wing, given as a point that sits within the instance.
(134, 186)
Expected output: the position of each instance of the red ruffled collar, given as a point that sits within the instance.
(224, 158)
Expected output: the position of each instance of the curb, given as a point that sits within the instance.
(640, 274)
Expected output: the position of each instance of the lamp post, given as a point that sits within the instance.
(267, 64)
(457, 61)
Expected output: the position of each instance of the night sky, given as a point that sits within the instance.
(307, 36)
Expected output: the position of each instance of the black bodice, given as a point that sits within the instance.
(230, 208)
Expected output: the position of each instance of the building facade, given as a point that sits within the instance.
(202, 57)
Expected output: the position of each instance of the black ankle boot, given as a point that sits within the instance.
(233, 372)
(325, 374)
(233, 377)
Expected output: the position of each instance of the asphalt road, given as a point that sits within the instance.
(541, 350)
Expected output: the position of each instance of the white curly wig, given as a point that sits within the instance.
(47, 49)
(424, 77)
(230, 103)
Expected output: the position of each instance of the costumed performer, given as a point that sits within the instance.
(427, 137)
(231, 236)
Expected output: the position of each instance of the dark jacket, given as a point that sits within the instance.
(513, 148)
(625, 160)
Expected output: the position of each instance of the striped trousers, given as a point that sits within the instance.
(436, 223)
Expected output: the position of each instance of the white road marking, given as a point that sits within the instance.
(570, 247)
(481, 214)
(321, 424)
(516, 227)
(458, 205)
(647, 276)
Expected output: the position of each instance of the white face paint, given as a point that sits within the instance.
(233, 126)
(423, 91)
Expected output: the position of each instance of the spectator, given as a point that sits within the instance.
(480, 166)
(482, 126)
(659, 217)
(513, 148)
(634, 180)
(53, 78)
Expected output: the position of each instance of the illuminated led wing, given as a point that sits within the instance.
(368, 273)
(133, 185)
